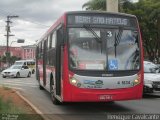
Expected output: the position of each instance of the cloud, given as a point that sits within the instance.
(40, 10)
(35, 16)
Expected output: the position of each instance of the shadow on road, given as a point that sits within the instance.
(90, 111)
(91, 107)
(110, 107)
(151, 95)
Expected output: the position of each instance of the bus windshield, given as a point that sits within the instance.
(108, 49)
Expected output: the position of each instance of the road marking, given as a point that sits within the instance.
(18, 88)
(21, 82)
(17, 83)
(14, 84)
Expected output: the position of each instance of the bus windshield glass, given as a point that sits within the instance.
(107, 49)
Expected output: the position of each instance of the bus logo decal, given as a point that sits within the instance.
(99, 82)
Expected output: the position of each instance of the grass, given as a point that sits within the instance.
(9, 107)
(10, 111)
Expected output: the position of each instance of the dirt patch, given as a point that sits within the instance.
(9, 94)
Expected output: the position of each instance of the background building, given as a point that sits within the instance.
(24, 52)
(14, 51)
(28, 52)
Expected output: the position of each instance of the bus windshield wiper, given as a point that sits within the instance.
(88, 28)
(117, 40)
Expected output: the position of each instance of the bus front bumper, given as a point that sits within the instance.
(94, 95)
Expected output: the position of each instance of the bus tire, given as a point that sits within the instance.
(40, 86)
(53, 98)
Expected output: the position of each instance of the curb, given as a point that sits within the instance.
(31, 105)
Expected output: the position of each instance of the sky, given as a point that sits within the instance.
(35, 17)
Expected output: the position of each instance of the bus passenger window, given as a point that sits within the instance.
(54, 40)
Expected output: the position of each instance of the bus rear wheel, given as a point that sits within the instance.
(40, 86)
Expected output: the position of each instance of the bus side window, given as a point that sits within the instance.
(50, 41)
(24, 63)
(54, 39)
(39, 51)
(47, 47)
(42, 49)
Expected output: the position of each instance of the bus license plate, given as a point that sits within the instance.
(106, 97)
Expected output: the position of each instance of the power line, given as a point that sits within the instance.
(34, 22)
(8, 34)
(2, 13)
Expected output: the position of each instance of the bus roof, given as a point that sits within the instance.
(63, 17)
(98, 12)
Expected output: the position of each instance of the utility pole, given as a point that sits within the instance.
(8, 35)
(158, 38)
(112, 5)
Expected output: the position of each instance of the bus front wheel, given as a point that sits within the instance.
(40, 86)
(53, 98)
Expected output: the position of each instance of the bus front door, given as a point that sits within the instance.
(59, 58)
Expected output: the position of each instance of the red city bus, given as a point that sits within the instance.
(91, 57)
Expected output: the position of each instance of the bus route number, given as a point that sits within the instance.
(124, 82)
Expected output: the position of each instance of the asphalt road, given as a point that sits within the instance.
(150, 104)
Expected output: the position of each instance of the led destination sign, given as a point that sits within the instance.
(100, 20)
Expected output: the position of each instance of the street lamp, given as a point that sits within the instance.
(17, 41)
(20, 41)
(12, 42)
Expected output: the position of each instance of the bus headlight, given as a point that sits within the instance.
(75, 82)
(137, 81)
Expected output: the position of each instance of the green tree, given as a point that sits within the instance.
(13, 59)
(95, 5)
(100, 4)
(3, 59)
(148, 14)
